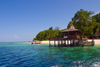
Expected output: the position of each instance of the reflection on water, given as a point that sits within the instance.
(25, 54)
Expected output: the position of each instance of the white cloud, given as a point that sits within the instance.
(16, 37)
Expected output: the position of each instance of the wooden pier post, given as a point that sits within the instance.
(82, 43)
(64, 42)
(49, 43)
(54, 44)
(74, 42)
(58, 43)
(78, 42)
(61, 43)
(92, 41)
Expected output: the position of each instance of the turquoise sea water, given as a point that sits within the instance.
(23, 54)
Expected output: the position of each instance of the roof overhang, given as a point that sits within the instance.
(65, 31)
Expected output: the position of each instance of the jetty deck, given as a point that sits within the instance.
(70, 42)
(72, 37)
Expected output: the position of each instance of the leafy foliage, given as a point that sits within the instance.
(83, 21)
(97, 17)
(35, 39)
(46, 34)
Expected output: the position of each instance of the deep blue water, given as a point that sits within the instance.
(23, 54)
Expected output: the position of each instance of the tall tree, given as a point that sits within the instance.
(97, 17)
(83, 21)
(50, 28)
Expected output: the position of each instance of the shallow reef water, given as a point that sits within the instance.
(23, 54)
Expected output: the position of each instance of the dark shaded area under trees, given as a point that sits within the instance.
(82, 20)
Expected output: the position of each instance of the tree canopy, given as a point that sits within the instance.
(46, 34)
(97, 17)
(83, 21)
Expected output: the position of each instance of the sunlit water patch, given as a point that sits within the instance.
(19, 54)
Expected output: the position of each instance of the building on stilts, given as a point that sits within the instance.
(72, 37)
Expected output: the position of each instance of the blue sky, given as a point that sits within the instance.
(21, 20)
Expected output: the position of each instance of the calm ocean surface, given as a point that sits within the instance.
(23, 54)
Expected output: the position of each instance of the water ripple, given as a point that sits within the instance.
(29, 55)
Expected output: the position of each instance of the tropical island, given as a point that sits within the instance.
(83, 20)
(64, 34)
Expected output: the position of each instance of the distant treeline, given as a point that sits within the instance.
(82, 20)
(46, 34)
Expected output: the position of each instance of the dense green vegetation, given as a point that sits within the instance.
(97, 17)
(46, 34)
(82, 20)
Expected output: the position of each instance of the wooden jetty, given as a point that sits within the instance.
(72, 37)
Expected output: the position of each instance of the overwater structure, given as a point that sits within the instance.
(72, 37)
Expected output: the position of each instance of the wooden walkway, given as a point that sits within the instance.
(71, 43)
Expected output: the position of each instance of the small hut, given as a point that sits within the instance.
(97, 35)
(72, 33)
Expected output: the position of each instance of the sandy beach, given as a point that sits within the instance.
(97, 41)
